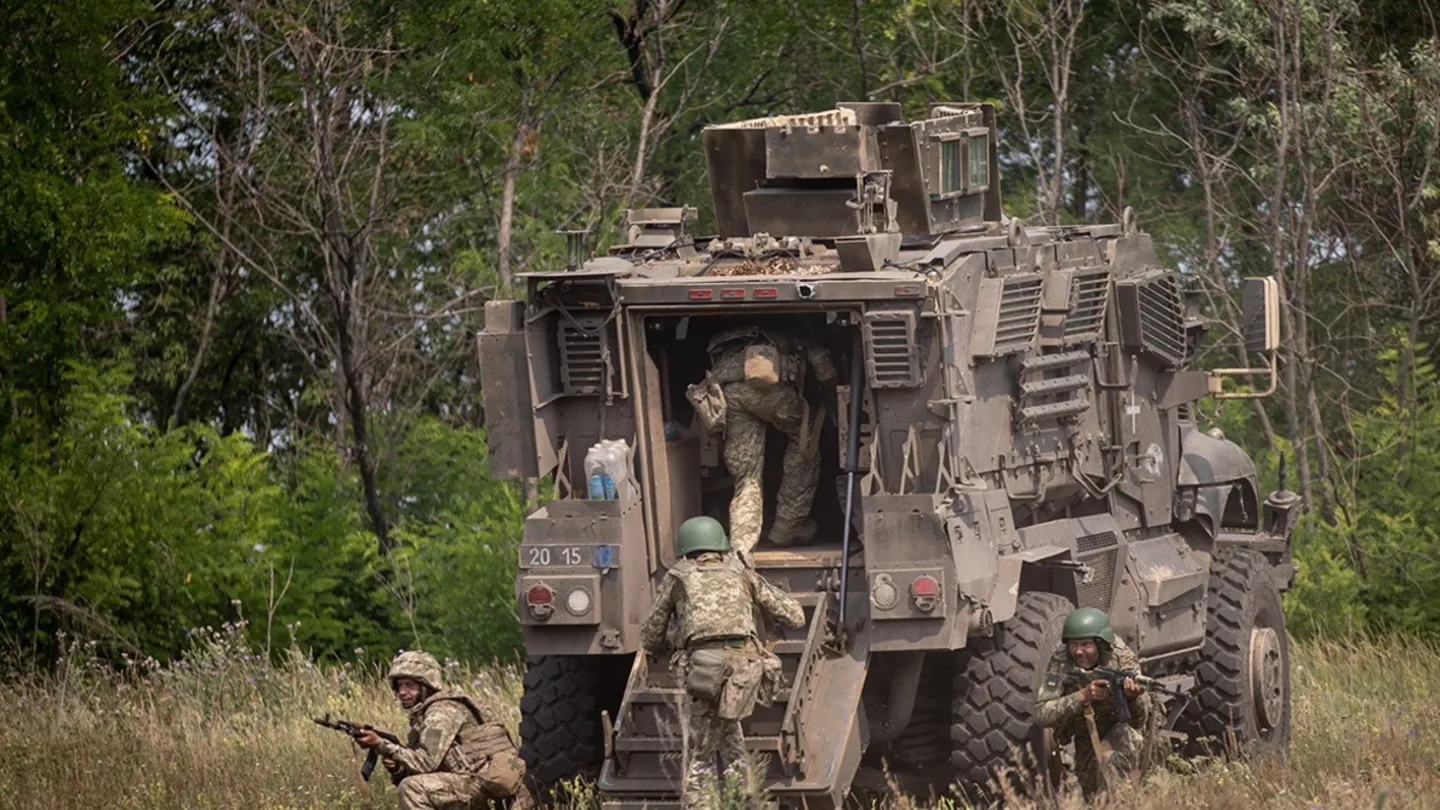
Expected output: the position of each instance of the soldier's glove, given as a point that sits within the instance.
(709, 403)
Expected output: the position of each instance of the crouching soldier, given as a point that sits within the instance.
(1083, 709)
(455, 758)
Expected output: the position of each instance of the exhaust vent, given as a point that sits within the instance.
(582, 365)
(1151, 317)
(1007, 315)
(1089, 292)
(892, 358)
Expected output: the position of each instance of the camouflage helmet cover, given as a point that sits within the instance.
(418, 666)
(1088, 623)
(701, 534)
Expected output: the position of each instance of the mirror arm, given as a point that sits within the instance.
(1216, 381)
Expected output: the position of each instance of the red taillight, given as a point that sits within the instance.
(766, 292)
(925, 585)
(539, 595)
(700, 295)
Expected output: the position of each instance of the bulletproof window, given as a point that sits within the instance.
(950, 167)
(979, 162)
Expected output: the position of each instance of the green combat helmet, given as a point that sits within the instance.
(418, 666)
(701, 534)
(1088, 623)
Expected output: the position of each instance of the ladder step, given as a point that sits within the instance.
(1058, 385)
(655, 745)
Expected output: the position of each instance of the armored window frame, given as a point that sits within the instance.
(952, 167)
(977, 163)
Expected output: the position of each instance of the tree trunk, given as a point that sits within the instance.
(178, 412)
(507, 203)
(360, 434)
(642, 148)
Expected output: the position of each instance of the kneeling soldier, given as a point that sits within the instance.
(1089, 642)
(454, 756)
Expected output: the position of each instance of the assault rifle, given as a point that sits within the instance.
(1116, 679)
(355, 731)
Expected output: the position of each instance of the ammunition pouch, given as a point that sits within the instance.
(709, 403)
(742, 688)
(705, 673)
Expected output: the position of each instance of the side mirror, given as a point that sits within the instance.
(1260, 318)
(1260, 328)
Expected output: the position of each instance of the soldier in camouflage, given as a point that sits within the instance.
(756, 379)
(718, 659)
(1088, 641)
(454, 758)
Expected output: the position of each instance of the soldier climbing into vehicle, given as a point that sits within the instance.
(757, 379)
(455, 757)
(1084, 709)
(717, 656)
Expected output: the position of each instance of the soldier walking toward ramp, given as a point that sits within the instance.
(455, 758)
(1088, 714)
(718, 659)
(757, 378)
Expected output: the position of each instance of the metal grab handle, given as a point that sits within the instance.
(852, 460)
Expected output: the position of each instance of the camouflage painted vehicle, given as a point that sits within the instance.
(1026, 443)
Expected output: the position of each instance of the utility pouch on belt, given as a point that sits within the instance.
(772, 678)
(709, 402)
(762, 365)
(737, 700)
(706, 676)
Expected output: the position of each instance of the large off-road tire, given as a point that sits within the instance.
(1242, 689)
(993, 697)
(560, 733)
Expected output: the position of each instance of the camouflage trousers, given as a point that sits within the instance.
(1125, 743)
(748, 411)
(456, 791)
(714, 754)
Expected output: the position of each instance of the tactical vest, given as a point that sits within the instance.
(475, 743)
(718, 599)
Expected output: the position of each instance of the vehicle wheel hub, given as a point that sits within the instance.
(1267, 679)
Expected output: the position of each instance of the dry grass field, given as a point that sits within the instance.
(224, 729)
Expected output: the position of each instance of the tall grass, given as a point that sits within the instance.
(223, 728)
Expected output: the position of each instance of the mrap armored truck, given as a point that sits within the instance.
(1013, 435)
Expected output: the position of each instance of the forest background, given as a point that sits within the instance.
(245, 246)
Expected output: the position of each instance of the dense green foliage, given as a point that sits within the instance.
(244, 247)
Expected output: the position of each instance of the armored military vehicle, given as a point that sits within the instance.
(1016, 417)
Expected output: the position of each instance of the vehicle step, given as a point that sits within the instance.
(669, 694)
(660, 746)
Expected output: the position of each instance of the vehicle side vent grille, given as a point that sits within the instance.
(892, 358)
(1019, 315)
(1100, 552)
(1151, 316)
(582, 366)
(1090, 290)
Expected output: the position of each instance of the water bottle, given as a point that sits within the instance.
(595, 471)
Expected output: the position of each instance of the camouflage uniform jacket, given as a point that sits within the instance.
(449, 734)
(714, 595)
(1058, 703)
